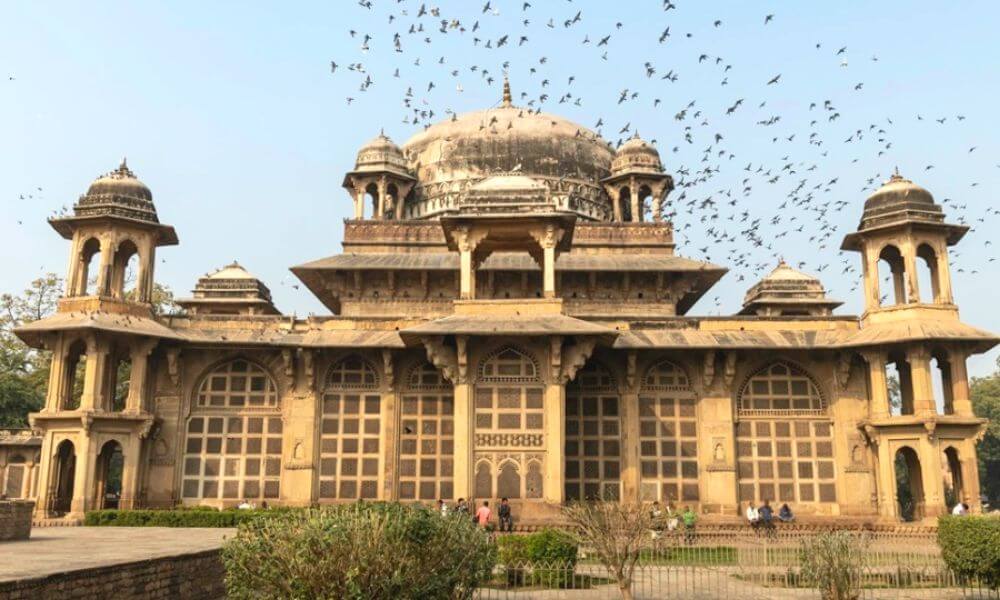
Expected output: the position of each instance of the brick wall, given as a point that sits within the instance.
(15, 519)
(197, 576)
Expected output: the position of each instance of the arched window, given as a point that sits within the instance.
(125, 270)
(910, 501)
(234, 436)
(668, 436)
(593, 436)
(927, 274)
(350, 426)
(892, 270)
(238, 384)
(426, 436)
(88, 268)
(780, 387)
(352, 372)
(784, 441)
(74, 374)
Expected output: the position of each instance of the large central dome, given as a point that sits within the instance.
(477, 144)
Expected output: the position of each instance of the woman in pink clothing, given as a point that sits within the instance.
(483, 514)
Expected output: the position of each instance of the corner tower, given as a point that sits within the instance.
(916, 348)
(97, 416)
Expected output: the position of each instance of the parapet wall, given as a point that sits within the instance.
(196, 576)
(15, 519)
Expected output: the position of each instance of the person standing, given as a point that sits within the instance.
(442, 507)
(483, 514)
(506, 522)
(690, 518)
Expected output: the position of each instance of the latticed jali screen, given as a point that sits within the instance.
(349, 432)
(426, 437)
(668, 437)
(593, 437)
(233, 445)
(784, 445)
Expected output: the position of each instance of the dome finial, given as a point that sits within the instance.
(507, 100)
(895, 175)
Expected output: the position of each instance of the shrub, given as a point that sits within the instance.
(832, 563)
(546, 558)
(970, 545)
(358, 551)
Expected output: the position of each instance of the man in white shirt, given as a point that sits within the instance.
(960, 509)
(753, 517)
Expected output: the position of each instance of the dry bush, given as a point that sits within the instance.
(615, 533)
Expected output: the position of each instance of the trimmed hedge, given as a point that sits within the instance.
(970, 545)
(197, 517)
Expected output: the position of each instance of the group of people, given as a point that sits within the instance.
(670, 519)
(483, 515)
(763, 518)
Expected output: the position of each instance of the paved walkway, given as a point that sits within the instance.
(59, 549)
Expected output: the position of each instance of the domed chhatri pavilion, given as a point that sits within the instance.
(508, 318)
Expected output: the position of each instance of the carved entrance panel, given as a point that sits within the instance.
(509, 427)
(426, 436)
(668, 436)
(349, 432)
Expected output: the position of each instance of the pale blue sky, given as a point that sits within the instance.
(229, 112)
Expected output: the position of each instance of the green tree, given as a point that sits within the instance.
(985, 393)
(23, 370)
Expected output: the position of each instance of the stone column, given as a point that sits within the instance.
(555, 442)
(910, 267)
(960, 401)
(616, 204)
(130, 473)
(932, 476)
(944, 275)
(920, 378)
(467, 241)
(380, 201)
(871, 280)
(389, 415)
(548, 239)
(630, 432)
(107, 261)
(887, 493)
(634, 202)
(138, 384)
(879, 407)
(93, 392)
(83, 477)
(718, 485)
(464, 440)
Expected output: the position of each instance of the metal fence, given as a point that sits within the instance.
(738, 566)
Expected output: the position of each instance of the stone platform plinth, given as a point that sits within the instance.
(114, 562)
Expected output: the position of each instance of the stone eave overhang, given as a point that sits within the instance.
(954, 233)
(65, 226)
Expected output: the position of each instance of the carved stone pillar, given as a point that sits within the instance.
(630, 431)
(92, 397)
(138, 384)
(921, 381)
(879, 407)
(960, 400)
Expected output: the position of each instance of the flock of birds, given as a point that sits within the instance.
(753, 183)
(716, 205)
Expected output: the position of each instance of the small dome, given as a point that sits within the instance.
(898, 190)
(787, 291)
(231, 290)
(118, 193)
(380, 154)
(233, 270)
(636, 155)
(900, 199)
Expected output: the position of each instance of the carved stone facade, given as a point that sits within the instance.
(510, 319)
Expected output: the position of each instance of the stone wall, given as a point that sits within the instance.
(15, 519)
(198, 576)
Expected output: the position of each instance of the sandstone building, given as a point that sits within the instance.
(508, 317)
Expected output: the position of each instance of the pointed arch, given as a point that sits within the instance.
(779, 387)
(666, 375)
(509, 364)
